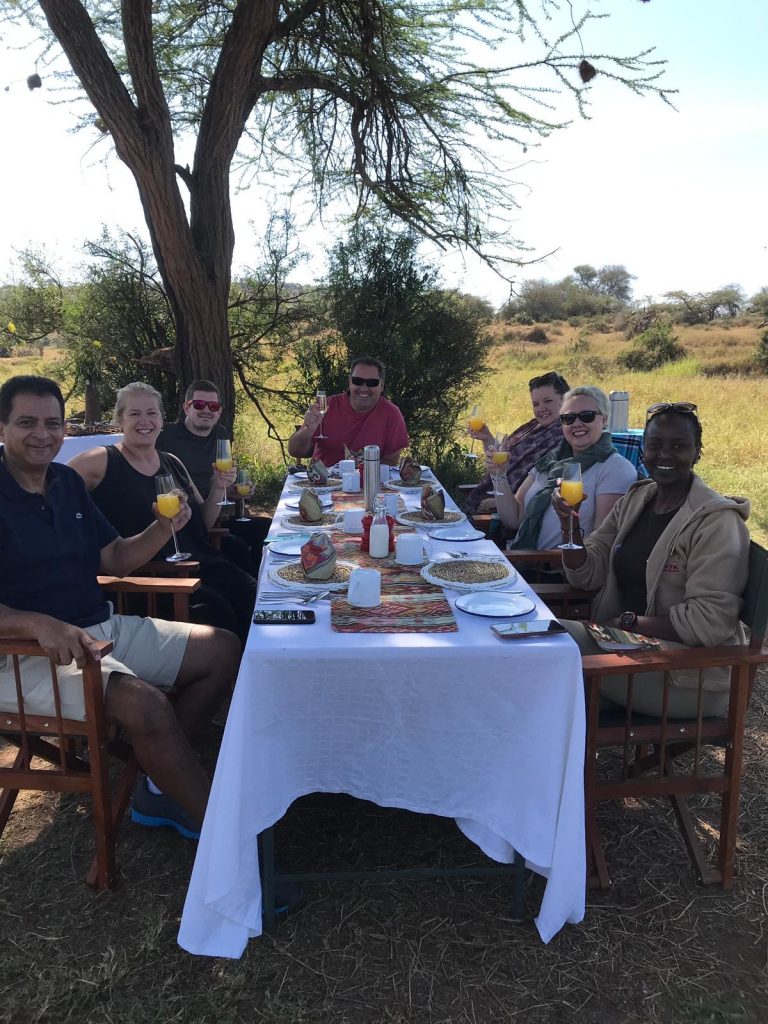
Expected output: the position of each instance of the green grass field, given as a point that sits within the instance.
(733, 408)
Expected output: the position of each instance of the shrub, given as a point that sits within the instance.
(538, 336)
(761, 352)
(654, 347)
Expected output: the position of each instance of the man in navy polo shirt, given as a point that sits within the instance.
(53, 542)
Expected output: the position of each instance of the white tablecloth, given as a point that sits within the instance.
(463, 725)
(74, 445)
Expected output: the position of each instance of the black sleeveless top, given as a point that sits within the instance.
(125, 497)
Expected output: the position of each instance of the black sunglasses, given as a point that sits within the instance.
(686, 408)
(369, 382)
(586, 417)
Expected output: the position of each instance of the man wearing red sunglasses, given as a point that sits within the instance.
(360, 416)
(193, 439)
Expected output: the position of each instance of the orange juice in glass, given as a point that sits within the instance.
(500, 458)
(572, 492)
(168, 505)
(243, 488)
(223, 463)
(476, 422)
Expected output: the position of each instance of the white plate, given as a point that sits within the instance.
(301, 485)
(307, 585)
(494, 603)
(458, 533)
(299, 475)
(324, 498)
(289, 545)
(306, 527)
(433, 524)
(509, 577)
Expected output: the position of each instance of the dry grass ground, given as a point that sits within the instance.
(656, 949)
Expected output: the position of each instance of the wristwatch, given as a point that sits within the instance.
(628, 619)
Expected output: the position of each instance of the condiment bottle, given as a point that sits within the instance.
(378, 544)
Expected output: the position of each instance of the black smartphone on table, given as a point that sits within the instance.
(283, 617)
(526, 630)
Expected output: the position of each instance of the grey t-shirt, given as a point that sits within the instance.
(610, 477)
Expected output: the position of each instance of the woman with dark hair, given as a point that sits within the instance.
(526, 444)
(671, 562)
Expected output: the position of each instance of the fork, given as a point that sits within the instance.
(287, 599)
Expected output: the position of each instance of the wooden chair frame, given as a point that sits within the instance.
(651, 747)
(66, 768)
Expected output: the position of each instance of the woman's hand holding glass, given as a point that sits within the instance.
(497, 458)
(568, 497)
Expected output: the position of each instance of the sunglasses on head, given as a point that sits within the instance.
(368, 382)
(200, 404)
(686, 408)
(568, 418)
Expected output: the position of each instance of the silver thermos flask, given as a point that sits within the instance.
(618, 421)
(371, 474)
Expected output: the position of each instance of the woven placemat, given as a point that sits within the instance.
(409, 609)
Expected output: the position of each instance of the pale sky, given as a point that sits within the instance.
(678, 197)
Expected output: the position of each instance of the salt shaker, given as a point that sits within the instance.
(371, 474)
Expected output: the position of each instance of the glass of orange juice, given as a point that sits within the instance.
(572, 492)
(223, 463)
(243, 488)
(168, 505)
(500, 458)
(476, 422)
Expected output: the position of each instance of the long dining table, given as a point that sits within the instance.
(452, 722)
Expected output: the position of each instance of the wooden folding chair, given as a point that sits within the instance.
(62, 755)
(664, 756)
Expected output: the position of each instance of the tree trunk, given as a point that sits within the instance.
(92, 404)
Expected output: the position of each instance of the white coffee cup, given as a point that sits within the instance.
(364, 588)
(347, 466)
(351, 521)
(409, 549)
(350, 481)
(384, 474)
(391, 500)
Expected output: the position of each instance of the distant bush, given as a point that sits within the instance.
(654, 347)
(538, 336)
(743, 368)
(581, 364)
(761, 352)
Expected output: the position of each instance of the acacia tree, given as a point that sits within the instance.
(376, 94)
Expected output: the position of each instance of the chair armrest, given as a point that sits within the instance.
(562, 591)
(529, 555)
(33, 649)
(632, 662)
(149, 584)
(466, 487)
(161, 568)
(181, 590)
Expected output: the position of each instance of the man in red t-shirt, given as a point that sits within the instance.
(361, 416)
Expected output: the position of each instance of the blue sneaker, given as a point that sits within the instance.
(157, 809)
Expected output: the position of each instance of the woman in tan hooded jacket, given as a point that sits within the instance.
(671, 561)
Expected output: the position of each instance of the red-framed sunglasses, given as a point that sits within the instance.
(200, 404)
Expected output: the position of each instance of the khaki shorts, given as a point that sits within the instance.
(150, 649)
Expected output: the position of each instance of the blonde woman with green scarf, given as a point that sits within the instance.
(606, 475)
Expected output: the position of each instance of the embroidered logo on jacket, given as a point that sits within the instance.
(671, 567)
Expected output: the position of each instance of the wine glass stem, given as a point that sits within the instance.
(570, 527)
(175, 542)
